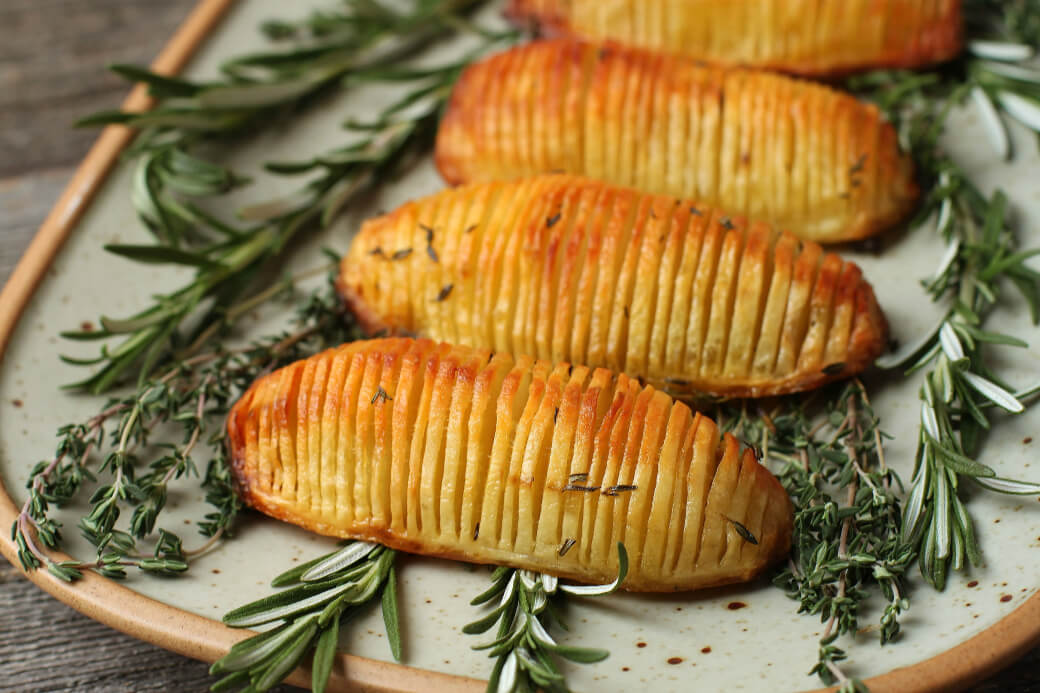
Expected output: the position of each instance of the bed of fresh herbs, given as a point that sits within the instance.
(858, 530)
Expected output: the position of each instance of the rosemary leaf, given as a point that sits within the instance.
(391, 617)
(324, 656)
(310, 615)
(523, 647)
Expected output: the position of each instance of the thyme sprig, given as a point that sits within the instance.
(366, 41)
(528, 604)
(983, 254)
(320, 595)
(125, 445)
(846, 542)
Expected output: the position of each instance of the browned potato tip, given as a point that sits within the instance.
(464, 453)
(571, 269)
(810, 159)
(803, 36)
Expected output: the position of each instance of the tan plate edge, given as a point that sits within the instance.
(208, 640)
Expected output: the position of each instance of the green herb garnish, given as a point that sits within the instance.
(309, 612)
(527, 607)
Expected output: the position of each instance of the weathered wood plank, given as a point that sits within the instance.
(46, 646)
(52, 59)
(24, 202)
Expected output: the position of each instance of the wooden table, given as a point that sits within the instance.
(52, 54)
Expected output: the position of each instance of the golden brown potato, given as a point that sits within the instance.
(812, 160)
(451, 451)
(803, 36)
(571, 269)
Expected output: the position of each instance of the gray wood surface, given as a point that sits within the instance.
(52, 54)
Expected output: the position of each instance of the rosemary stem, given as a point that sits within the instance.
(267, 294)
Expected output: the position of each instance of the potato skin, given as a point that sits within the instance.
(462, 453)
(572, 269)
(800, 36)
(810, 159)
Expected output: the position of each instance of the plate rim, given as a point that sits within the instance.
(206, 639)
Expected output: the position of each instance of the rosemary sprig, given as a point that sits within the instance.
(366, 41)
(982, 255)
(322, 50)
(958, 387)
(528, 604)
(193, 395)
(319, 597)
(846, 542)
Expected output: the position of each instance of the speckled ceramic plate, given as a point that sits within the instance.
(747, 637)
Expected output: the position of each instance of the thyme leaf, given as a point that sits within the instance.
(846, 541)
(193, 395)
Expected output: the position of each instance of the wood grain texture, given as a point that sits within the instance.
(46, 646)
(52, 59)
(53, 52)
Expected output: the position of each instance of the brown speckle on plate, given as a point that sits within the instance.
(640, 644)
(973, 583)
(17, 402)
(706, 649)
(1006, 598)
(675, 660)
(733, 606)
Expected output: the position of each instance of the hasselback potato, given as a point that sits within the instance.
(810, 159)
(572, 269)
(469, 454)
(804, 36)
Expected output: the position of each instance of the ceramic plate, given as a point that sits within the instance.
(743, 638)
